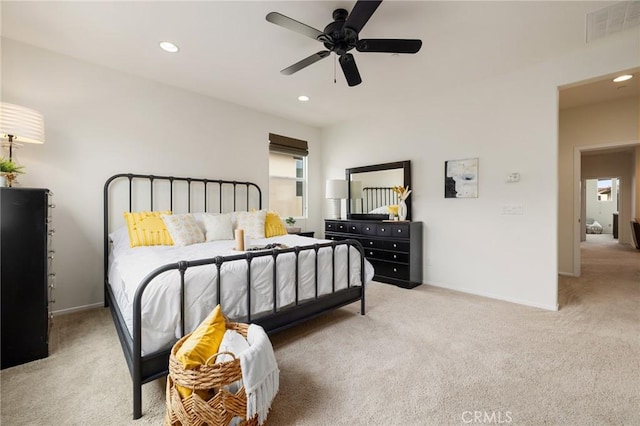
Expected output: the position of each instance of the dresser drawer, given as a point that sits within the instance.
(330, 226)
(396, 246)
(340, 227)
(353, 228)
(368, 229)
(373, 254)
(370, 243)
(383, 230)
(400, 230)
(391, 270)
(395, 257)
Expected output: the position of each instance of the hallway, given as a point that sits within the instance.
(610, 276)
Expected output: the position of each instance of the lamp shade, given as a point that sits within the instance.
(25, 125)
(336, 189)
(356, 189)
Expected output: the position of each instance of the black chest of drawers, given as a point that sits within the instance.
(24, 274)
(393, 248)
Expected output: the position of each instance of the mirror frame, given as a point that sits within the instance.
(404, 165)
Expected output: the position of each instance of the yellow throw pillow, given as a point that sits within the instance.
(273, 225)
(201, 344)
(147, 229)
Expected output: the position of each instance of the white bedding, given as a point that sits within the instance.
(160, 302)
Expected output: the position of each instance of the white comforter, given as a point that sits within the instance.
(161, 301)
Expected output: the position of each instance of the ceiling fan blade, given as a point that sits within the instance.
(350, 70)
(388, 45)
(361, 13)
(293, 25)
(305, 62)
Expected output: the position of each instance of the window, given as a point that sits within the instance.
(604, 189)
(288, 176)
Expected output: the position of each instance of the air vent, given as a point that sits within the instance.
(613, 19)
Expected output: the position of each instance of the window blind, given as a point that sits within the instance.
(287, 145)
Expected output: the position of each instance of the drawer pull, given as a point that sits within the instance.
(353, 227)
(382, 229)
(370, 253)
(395, 269)
(395, 256)
(400, 231)
(395, 245)
(370, 243)
(367, 228)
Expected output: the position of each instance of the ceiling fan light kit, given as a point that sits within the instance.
(341, 36)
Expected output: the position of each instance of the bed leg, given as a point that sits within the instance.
(137, 400)
(362, 302)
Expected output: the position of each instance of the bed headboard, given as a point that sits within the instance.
(375, 197)
(138, 192)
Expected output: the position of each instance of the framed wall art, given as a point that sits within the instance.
(461, 178)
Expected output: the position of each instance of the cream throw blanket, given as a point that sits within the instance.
(260, 373)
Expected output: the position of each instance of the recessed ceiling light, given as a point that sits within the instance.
(303, 98)
(168, 46)
(621, 78)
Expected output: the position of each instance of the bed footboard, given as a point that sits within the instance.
(278, 318)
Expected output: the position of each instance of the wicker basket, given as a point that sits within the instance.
(221, 406)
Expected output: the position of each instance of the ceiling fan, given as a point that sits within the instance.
(341, 36)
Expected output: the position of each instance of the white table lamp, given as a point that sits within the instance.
(336, 190)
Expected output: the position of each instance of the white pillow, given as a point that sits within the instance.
(120, 238)
(380, 210)
(183, 229)
(252, 223)
(233, 342)
(218, 226)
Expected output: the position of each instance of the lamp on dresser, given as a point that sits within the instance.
(18, 125)
(336, 190)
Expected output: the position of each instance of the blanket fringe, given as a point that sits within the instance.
(259, 400)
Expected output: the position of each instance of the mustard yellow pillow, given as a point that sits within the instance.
(201, 345)
(273, 225)
(203, 342)
(147, 229)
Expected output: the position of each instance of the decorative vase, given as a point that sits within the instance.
(402, 210)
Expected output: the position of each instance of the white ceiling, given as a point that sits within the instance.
(229, 51)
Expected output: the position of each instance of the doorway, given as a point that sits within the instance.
(601, 206)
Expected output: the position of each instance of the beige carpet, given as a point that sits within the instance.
(425, 356)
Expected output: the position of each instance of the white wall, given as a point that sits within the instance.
(596, 125)
(100, 122)
(510, 122)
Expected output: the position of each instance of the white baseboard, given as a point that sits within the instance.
(566, 274)
(78, 309)
(505, 299)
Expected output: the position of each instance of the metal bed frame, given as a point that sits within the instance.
(374, 197)
(152, 366)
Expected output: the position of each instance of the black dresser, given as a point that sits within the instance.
(393, 248)
(24, 274)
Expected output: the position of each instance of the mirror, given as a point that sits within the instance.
(370, 189)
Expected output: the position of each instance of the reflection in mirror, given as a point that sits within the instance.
(371, 192)
(371, 189)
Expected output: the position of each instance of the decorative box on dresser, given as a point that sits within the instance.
(25, 277)
(393, 248)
